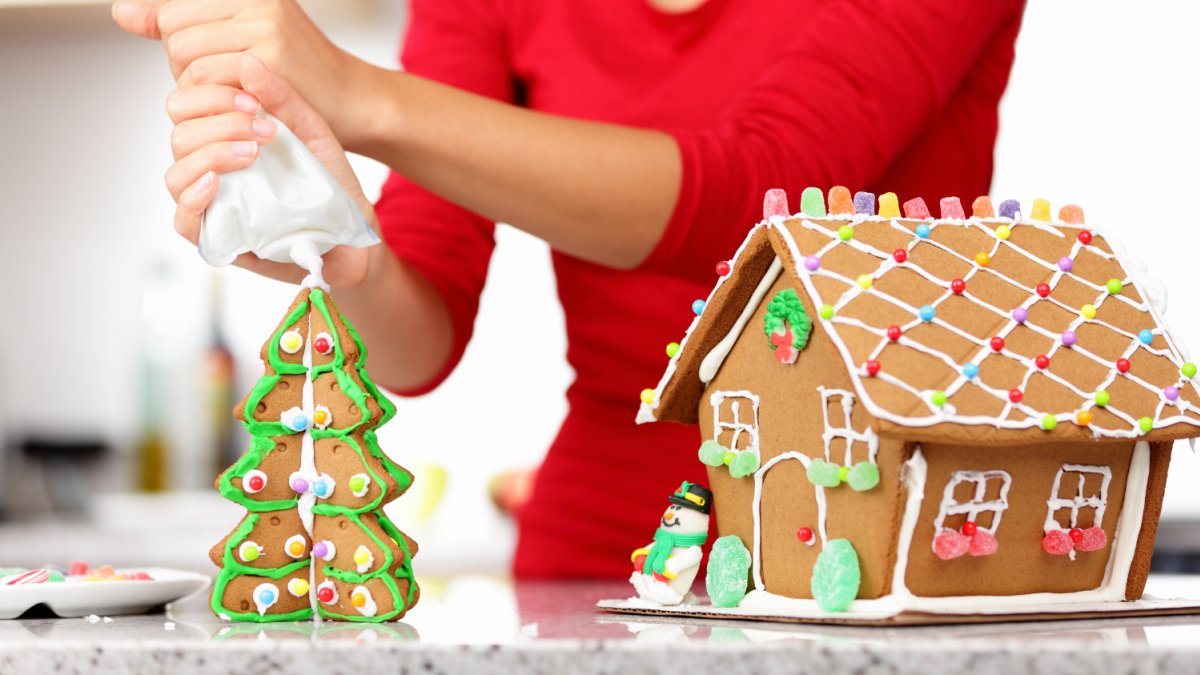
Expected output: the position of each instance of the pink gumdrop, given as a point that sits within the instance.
(950, 544)
(915, 209)
(952, 208)
(78, 567)
(1057, 542)
(775, 204)
(1093, 539)
(983, 543)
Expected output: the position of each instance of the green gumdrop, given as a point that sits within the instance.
(835, 577)
(56, 576)
(863, 476)
(712, 453)
(744, 464)
(728, 570)
(823, 473)
(726, 635)
(812, 202)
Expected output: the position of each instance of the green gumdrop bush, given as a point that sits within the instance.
(836, 576)
(743, 464)
(712, 453)
(824, 473)
(728, 570)
(863, 476)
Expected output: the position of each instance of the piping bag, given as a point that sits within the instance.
(284, 207)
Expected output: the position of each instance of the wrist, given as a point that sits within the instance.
(367, 113)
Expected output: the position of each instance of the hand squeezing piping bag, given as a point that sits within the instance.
(284, 207)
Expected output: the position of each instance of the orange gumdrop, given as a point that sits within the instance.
(982, 208)
(1071, 214)
(840, 201)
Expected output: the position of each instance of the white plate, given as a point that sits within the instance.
(73, 598)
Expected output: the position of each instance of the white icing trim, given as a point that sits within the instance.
(736, 426)
(755, 508)
(713, 360)
(1099, 503)
(949, 507)
(846, 432)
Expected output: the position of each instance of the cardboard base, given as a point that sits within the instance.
(1147, 606)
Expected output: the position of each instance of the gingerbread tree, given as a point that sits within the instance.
(314, 481)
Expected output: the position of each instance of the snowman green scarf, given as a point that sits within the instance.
(664, 542)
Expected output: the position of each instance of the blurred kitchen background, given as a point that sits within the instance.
(124, 352)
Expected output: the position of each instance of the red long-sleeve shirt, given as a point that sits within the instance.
(878, 96)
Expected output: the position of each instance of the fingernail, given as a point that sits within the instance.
(246, 103)
(264, 128)
(201, 186)
(244, 148)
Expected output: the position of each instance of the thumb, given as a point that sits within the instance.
(139, 18)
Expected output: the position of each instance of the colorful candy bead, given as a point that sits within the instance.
(299, 485)
(970, 370)
(266, 596)
(889, 205)
(894, 333)
(873, 367)
(1188, 370)
(1020, 314)
(1042, 361)
(1145, 424)
(812, 202)
(295, 548)
(900, 255)
(1041, 210)
(1085, 237)
(672, 349)
(863, 281)
(320, 549)
(845, 233)
(927, 312)
(325, 594)
(1122, 365)
(1171, 394)
(323, 486)
(291, 342)
(697, 307)
(728, 458)
(1003, 232)
(826, 312)
(1083, 418)
(1065, 264)
(982, 259)
(775, 204)
(1072, 215)
(952, 209)
(362, 556)
(357, 484)
(358, 599)
(958, 286)
(1114, 286)
(982, 208)
(840, 201)
(864, 203)
(1102, 398)
(804, 534)
(248, 551)
(969, 528)
(1088, 311)
(722, 268)
(1010, 208)
(647, 396)
(254, 481)
(322, 417)
(1076, 535)
(997, 343)
(1043, 290)
(812, 263)
(323, 343)
(298, 587)
(1145, 336)
(1068, 338)
(938, 399)
(915, 209)
(1015, 395)
(1049, 422)
(923, 231)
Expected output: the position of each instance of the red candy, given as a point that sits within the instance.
(1042, 361)
(775, 203)
(804, 534)
(915, 209)
(1085, 237)
(1122, 365)
(78, 567)
(139, 576)
(969, 529)
(325, 595)
(899, 255)
(722, 268)
(950, 545)
(1057, 542)
(958, 286)
(1076, 535)
(952, 208)
(894, 333)
(321, 344)
(1015, 395)
(983, 544)
(997, 343)
(1043, 290)
(257, 483)
(872, 367)
(1091, 539)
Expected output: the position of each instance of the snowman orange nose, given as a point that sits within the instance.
(668, 515)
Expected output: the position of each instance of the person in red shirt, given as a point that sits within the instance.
(636, 137)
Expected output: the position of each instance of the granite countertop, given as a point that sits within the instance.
(480, 624)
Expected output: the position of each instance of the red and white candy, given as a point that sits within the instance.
(30, 577)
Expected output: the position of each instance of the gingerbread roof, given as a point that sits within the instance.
(1006, 322)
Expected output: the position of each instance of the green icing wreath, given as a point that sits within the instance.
(786, 305)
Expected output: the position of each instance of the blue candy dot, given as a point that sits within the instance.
(266, 596)
(927, 313)
(299, 422)
(698, 306)
(1146, 336)
(970, 370)
(922, 230)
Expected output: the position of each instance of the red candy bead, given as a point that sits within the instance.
(722, 268)
(894, 333)
(257, 483)
(968, 529)
(804, 534)
(1042, 361)
(1123, 365)
(325, 595)
(997, 343)
(322, 345)
(1015, 395)
(900, 255)
(1076, 535)
(958, 285)
(872, 367)
(1043, 290)
(1085, 237)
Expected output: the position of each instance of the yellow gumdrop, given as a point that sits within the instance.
(889, 205)
(1041, 210)
(358, 599)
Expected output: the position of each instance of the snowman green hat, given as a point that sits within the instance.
(692, 496)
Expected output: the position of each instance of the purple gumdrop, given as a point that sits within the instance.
(1009, 208)
(812, 263)
(1065, 264)
(1171, 393)
(1068, 338)
(320, 549)
(300, 485)
(864, 203)
(1020, 314)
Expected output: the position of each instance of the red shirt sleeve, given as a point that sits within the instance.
(459, 43)
(858, 84)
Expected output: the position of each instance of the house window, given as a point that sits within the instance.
(1079, 497)
(735, 420)
(981, 497)
(842, 442)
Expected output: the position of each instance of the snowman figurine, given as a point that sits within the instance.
(664, 570)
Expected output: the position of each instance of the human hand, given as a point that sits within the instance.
(216, 132)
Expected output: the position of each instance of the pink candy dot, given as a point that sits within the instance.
(1068, 338)
(812, 263)
(1020, 314)
(300, 485)
(319, 549)
(1171, 393)
(1065, 264)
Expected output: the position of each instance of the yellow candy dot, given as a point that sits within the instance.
(647, 396)
(299, 586)
(293, 342)
(1003, 232)
(982, 259)
(361, 557)
(864, 281)
(1088, 312)
(359, 599)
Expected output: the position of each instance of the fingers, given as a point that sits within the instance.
(205, 100)
(209, 39)
(216, 69)
(191, 205)
(287, 272)
(138, 18)
(192, 135)
(178, 15)
(218, 157)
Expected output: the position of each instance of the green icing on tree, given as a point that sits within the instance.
(835, 577)
(728, 569)
(786, 305)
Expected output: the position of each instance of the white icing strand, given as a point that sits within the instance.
(846, 431)
(1097, 502)
(757, 503)
(736, 426)
(976, 505)
(913, 474)
(369, 607)
(713, 360)
(308, 465)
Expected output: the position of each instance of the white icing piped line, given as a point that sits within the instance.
(713, 360)
(976, 506)
(846, 432)
(1099, 502)
(736, 426)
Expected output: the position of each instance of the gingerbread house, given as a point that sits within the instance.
(980, 410)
